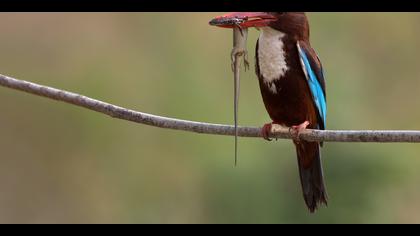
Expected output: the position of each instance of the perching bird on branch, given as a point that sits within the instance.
(293, 88)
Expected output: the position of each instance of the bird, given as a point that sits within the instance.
(293, 90)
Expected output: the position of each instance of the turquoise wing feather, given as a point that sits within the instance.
(316, 82)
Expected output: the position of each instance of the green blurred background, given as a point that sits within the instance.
(64, 164)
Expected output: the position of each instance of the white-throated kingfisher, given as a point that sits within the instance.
(292, 86)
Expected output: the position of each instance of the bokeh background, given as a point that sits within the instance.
(64, 164)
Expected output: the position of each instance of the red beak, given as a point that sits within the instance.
(243, 19)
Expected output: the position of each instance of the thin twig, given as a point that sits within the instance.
(207, 128)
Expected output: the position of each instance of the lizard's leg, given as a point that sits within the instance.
(233, 59)
(246, 63)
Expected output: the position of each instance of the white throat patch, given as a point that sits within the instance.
(271, 56)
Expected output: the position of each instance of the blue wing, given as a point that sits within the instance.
(315, 77)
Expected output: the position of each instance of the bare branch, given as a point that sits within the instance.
(206, 128)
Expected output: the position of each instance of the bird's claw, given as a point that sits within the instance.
(295, 131)
(266, 131)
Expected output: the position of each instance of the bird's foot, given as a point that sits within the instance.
(266, 131)
(295, 131)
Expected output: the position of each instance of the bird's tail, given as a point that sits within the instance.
(310, 171)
